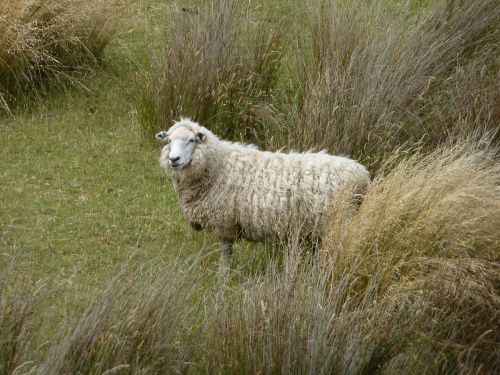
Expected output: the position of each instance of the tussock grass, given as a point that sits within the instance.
(409, 284)
(43, 41)
(371, 76)
(17, 321)
(362, 79)
(142, 322)
(214, 63)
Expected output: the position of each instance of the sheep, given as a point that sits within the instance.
(236, 190)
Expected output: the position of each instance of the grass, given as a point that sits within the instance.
(412, 288)
(215, 63)
(377, 76)
(357, 79)
(70, 211)
(45, 42)
(99, 272)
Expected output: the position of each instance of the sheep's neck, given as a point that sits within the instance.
(196, 188)
(192, 190)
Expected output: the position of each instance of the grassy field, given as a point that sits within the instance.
(80, 194)
(99, 271)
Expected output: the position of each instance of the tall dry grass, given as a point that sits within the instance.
(214, 63)
(362, 79)
(371, 76)
(18, 323)
(144, 322)
(42, 41)
(407, 284)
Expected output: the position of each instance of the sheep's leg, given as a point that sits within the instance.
(226, 249)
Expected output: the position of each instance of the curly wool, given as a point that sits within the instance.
(237, 190)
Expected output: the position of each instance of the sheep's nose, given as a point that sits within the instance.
(173, 160)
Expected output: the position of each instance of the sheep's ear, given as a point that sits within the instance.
(200, 137)
(162, 136)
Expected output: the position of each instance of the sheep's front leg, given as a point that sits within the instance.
(226, 249)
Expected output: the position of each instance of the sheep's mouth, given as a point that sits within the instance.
(179, 166)
(176, 166)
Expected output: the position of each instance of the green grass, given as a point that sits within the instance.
(82, 200)
(79, 191)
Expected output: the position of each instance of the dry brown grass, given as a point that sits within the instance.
(144, 322)
(17, 321)
(214, 63)
(43, 41)
(360, 78)
(410, 284)
(371, 76)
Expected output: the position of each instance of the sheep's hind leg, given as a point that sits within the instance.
(226, 249)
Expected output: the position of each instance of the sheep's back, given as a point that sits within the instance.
(277, 192)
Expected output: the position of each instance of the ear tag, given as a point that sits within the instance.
(161, 135)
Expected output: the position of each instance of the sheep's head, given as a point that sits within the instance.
(182, 139)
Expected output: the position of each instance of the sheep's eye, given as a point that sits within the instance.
(191, 141)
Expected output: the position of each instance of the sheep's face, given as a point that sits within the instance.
(182, 142)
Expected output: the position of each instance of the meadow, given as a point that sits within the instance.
(99, 273)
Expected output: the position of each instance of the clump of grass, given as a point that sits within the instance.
(213, 63)
(43, 41)
(371, 76)
(422, 251)
(409, 284)
(142, 322)
(449, 198)
(17, 322)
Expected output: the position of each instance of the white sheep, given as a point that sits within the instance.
(237, 190)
